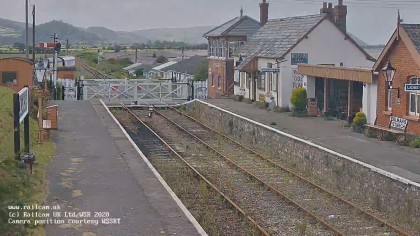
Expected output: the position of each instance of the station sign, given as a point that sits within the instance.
(299, 58)
(274, 70)
(412, 88)
(23, 103)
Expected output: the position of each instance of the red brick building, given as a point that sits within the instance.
(224, 42)
(17, 72)
(403, 51)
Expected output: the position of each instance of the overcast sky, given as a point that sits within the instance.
(371, 20)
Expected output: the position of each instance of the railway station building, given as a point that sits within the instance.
(314, 52)
(402, 53)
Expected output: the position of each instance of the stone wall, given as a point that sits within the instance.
(393, 197)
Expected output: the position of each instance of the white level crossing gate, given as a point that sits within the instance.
(141, 92)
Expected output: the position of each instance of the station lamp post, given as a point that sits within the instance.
(389, 73)
(40, 71)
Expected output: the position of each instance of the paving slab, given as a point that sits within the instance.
(402, 161)
(97, 169)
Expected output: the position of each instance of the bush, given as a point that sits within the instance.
(298, 99)
(415, 143)
(360, 114)
(360, 119)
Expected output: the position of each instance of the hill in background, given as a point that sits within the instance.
(12, 31)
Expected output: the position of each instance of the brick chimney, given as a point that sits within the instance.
(263, 12)
(327, 9)
(340, 15)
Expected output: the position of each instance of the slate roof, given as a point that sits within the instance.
(238, 26)
(413, 31)
(161, 66)
(278, 36)
(189, 66)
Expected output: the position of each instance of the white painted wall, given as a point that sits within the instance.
(324, 45)
(370, 101)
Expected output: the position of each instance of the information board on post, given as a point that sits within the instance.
(23, 103)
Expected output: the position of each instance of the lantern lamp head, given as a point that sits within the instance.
(389, 73)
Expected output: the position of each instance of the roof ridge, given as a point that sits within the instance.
(238, 22)
(219, 26)
(298, 17)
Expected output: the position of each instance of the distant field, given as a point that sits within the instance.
(20, 55)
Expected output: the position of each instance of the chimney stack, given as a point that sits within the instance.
(327, 9)
(263, 12)
(340, 15)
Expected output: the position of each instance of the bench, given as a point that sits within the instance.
(396, 126)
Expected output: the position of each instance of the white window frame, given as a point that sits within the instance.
(270, 82)
(416, 112)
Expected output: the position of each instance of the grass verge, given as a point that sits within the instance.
(17, 186)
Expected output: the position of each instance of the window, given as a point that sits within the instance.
(212, 80)
(389, 104)
(414, 98)
(9, 78)
(270, 82)
(219, 81)
(248, 80)
(262, 82)
(242, 80)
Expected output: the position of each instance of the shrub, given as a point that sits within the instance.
(298, 99)
(415, 143)
(360, 114)
(360, 119)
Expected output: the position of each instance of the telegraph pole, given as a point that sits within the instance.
(33, 33)
(27, 29)
(54, 82)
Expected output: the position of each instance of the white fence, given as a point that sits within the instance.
(114, 91)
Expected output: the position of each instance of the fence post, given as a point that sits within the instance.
(16, 124)
(63, 90)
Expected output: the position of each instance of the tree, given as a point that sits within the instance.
(19, 46)
(139, 72)
(161, 59)
(117, 48)
(202, 73)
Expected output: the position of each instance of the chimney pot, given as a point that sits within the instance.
(324, 4)
(330, 5)
(263, 12)
(340, 2)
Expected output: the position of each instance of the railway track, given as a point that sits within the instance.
(158, 150)
(337, 214)
(97, 74)
(275, 215)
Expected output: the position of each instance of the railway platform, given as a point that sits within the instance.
(97, 170)
(402, 161)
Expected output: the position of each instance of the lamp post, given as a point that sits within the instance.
(40, 70)
(389, 73)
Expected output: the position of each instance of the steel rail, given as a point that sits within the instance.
(271, 188)
(93, 71)
(254, 223)
(370, 214)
